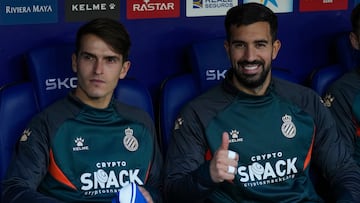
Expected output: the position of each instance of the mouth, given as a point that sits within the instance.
(251, 69)
(251, 66)
(97, 81)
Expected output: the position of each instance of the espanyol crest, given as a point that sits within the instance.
(130, 141)
(288, 128)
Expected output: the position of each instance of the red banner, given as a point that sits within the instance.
(323, 5)
(140, 9)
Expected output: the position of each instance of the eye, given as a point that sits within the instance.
(239, 45)
(111, 59)
(260, 45)
(87, 57)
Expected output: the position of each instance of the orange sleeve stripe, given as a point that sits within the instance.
(147, 173)
(357, 127)
(308, 156)
(208, 155)
(358, 131)
(56, 172)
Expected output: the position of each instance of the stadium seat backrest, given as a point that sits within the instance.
(51, 73)
(347, 58)
(17, 106)
(175, 93)
(134, 93)
(322, 79)
(285, 75)
(209, 62)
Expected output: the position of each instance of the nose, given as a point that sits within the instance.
(250, 53)
(98, 67)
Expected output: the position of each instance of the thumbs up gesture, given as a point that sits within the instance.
(223, 165)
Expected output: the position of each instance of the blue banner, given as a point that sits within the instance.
(14, 12)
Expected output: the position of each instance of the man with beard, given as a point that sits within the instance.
(254, 137)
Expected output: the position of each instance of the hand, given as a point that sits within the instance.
(223, 165)
(146, 195)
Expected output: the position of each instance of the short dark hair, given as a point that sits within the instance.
(110, 31)
(355, 20)
(249, 13)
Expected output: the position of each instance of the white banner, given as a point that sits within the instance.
(196, 8)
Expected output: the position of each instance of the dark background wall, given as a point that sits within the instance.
(160, 44)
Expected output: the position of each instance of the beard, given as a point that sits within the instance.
(251, 81)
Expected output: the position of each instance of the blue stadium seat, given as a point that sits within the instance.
(209, 62)
(132, 92)
(323, 77)
(347, 58)
(178, 90)
(175, 93)
(285, 75)
(51, 73)
(17, 106)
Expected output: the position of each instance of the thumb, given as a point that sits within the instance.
(225, 141)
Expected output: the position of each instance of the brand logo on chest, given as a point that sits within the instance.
(234, 136)
(79, 145)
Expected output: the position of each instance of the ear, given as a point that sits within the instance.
(276, 48)
(125, 68)
(227, 47)
(354, 40)
(74, 62)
